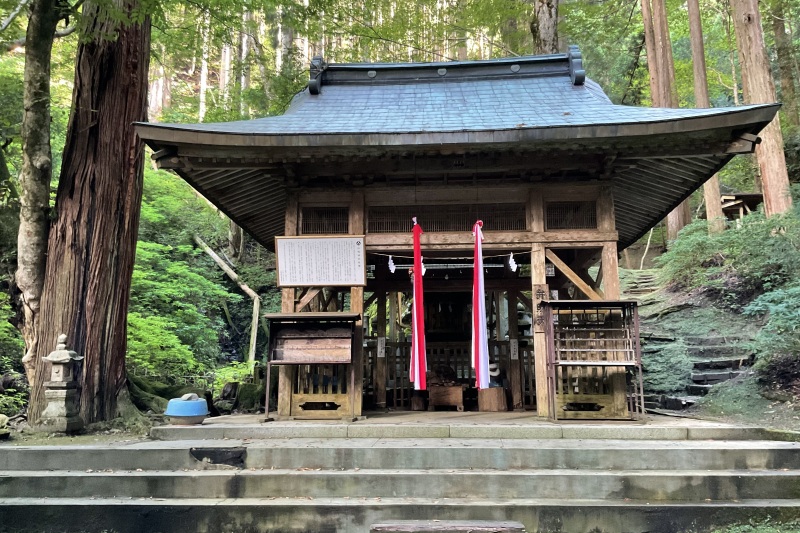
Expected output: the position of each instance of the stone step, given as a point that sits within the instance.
(698, 390)
(651, 486)
(349, 515)
(713, 377)
(715, 340)
(524, 427)
(733, 363)
(422, 454)
(718, 351)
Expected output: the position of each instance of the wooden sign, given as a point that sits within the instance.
(321, 261)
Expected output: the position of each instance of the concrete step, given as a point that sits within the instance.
(523, 426)
(355, 515)
(650, 486)
(421, 454)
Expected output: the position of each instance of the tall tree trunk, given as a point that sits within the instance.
(760, 88)
(204, 36)
(544, 26)
(783, 48)
(662, 86)
(37, 172)
(713, 200)
(93, 239)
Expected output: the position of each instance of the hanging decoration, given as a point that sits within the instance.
(419, 364)
(512, 264)
(480, 343)
(392, 266)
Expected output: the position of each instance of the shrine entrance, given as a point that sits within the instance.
(448, 332)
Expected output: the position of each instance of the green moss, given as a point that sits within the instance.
(762, 527)
(250, 396)
(667, 369)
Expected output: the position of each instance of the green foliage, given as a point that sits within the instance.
(735, 397)
(762, 255)
(154, 347)
(668, 369)
(169, 282)
(237, 371)
(172, 212)
(11, 346)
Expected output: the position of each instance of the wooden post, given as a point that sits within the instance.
(286, 376)
(356, 223)
(515, 363)
(380, 364)
(610, 269)
(538, 282)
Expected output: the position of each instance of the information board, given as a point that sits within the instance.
(321, 261)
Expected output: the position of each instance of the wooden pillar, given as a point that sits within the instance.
(515, 364)
(610, 266)
(538, 282)
(286, 376)
(380, 364)
(357, 306)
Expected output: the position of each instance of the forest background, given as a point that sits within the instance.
(220, 60)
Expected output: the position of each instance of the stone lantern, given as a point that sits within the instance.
(62, 391)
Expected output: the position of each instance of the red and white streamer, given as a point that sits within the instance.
(419, 363)
(480, 343)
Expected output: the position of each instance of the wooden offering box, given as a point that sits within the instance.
(320, 346)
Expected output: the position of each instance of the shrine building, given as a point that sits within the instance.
(562, 178)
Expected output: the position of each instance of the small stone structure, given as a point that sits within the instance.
(62, 392)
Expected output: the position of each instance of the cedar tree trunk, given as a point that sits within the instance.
(784, 51)
(713, 200)
(37, 172)
(760, 88)
(93, 237)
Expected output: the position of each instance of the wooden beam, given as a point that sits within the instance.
(572, 276)
(309, 295)
(538, 282)
(610, 269)
(286, 376)
(357, 227)
(515, 374)
(379, 385)
(494, 240)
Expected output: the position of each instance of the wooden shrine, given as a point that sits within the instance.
(562, 178)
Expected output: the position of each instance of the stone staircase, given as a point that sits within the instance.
(640, 282)
(318, 484)
(714, 359)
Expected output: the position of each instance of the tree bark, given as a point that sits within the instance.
(204, 36)
(713, 200)
(93, 238)
(37, 172)
(544, 27)
(783, 49)
(662, 86)
(760, 88)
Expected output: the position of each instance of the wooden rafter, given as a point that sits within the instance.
(572, 276)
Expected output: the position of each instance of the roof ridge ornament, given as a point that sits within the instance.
(576, 72)
(318, 66)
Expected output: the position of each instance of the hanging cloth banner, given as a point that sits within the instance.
(419, 363)
(480, 344)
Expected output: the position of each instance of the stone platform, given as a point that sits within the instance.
(662, 476)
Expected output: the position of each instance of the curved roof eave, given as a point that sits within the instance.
(744, 118)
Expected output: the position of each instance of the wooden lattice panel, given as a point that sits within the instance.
(570, 215)
(459, 217)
